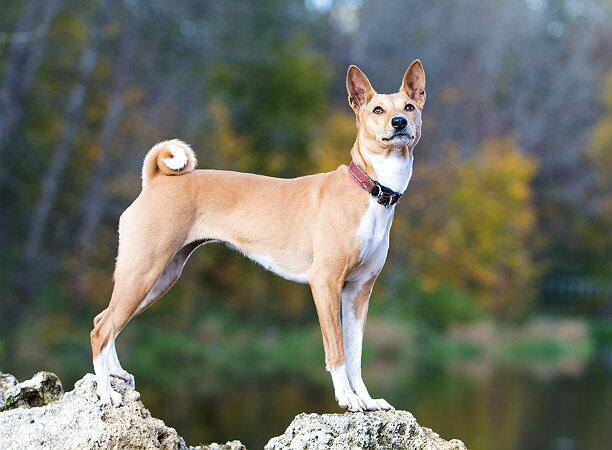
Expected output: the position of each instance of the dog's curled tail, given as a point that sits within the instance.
(172, 157)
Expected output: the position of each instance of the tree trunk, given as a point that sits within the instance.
(23, 58)
(94, 201)
(51, 177)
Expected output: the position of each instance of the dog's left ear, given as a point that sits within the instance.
(414, 83)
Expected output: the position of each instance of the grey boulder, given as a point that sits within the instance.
(370, 430)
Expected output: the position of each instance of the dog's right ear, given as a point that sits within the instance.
(413, 83)
(359, 88)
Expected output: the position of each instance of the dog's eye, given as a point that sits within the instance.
(378, 110)
(409, 107)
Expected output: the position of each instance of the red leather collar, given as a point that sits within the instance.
(382, 194)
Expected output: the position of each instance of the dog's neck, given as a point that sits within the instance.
(392, 168)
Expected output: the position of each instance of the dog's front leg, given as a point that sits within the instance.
(355, 298)
(326, 294)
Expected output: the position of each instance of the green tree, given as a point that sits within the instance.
(277, 102)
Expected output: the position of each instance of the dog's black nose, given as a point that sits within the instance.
(399, 122)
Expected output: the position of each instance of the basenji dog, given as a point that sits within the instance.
(330, 230)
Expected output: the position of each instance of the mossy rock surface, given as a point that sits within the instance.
(42, 389)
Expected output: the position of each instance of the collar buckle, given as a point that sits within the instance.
(376, 191)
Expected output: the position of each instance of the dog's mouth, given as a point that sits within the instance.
(402, 135)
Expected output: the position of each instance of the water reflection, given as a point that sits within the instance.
(251, 411)
(487, 405)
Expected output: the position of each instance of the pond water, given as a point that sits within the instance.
(536, 405)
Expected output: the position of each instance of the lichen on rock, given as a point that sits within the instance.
(42, 389)
(370, 430)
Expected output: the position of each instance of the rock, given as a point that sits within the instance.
(7, 381)
(370, 430)
(79, 420)
(42, 389)
(231, 445)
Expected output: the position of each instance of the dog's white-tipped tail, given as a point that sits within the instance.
(168, 158)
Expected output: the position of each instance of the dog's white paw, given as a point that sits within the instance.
(375, 404)
(125, 376)
(380, 403)
(110, 397)
(349, 400)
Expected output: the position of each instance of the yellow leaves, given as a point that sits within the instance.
(596, 231)
(69, 27)
(492, 191)
(429, 284)
(471, 220)
(226, 149)
(599, 151)
(332, 145)
(606, 94)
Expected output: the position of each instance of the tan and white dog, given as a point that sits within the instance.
(330, 230)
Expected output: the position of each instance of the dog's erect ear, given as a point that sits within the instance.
(414, 83)
(359, 88)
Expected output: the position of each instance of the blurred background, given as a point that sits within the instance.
(492, 320)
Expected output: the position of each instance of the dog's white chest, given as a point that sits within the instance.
(373, 234)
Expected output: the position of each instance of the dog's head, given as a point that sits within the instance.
(388, 122)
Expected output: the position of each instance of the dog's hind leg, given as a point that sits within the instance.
(98, 317)
(128, 293)
(114, 365)
(169, 275)
(115, 369)
(139, 266)
(164, 282)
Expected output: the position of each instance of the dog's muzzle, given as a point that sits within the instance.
(401, 131)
